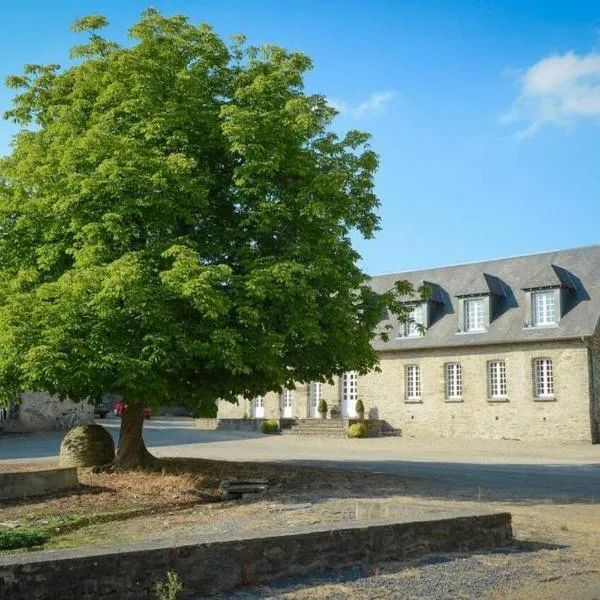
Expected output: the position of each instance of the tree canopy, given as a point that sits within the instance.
(175, 223)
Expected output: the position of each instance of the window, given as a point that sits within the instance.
(287, 398)
(497, 379)
(474, 314)
(543, 307)
(413, 382)
(316, 395)
(259, 402)
(453, 381)
(417, 317)
(544, 378)
(349, 391)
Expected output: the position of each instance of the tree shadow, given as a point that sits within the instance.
(157, 433)
(353, 574)
(515, 483)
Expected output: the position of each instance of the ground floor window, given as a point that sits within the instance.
(316, 395)
(349, 393)
(454, 382)
(544, 378)
(286, 402)
(497, 379)
(412, 378)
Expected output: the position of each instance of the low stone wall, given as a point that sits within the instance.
(211, 566)
(206, 424)
(230, 424)
(36, 483)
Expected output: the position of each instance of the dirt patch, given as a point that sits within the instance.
(155, 499)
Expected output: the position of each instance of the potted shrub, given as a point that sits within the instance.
(360, 409)
(322, 409)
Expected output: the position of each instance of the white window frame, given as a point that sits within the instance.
(417, 316)
(412, 383)
(497, 386)
(316, 395)
(350, 392)
(474, 321)
(543, 308)
(453, 381)
(287, 398)
(543, 378)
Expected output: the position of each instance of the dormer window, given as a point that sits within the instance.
(551, 294)
(479, 301)
(474, 314)
(417, 316)
(543, 308)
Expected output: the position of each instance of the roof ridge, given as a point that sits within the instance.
(490, 260)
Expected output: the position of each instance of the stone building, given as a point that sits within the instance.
(37, 411)
(511, 349)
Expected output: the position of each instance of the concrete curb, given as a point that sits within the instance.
(22, 484)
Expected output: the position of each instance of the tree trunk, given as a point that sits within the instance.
(132, 452)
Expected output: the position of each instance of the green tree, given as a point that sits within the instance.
(175, 221)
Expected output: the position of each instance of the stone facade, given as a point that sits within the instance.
(273, 404)
(571, 414)
(514, 342)
(38, 411)
(520, 415)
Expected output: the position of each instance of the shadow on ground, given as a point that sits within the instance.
(519, 484)
(157, 433)
(349, 575)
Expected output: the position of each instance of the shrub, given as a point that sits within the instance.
(357, 430)
(360, 407)
(322, 407)
(11, 540)
(169, 589)
(270, 426)
(334, 412)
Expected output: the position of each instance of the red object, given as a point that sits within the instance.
(120, 406)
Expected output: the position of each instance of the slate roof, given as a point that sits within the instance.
(577, 271)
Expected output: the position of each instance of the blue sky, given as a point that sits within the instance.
(486, 114)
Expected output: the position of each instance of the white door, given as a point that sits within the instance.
(258, 405)
(349, 394)
(286, 402)
(315, 396)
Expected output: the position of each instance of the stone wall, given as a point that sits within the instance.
(34, 483)
(39, 410)
(207, 567)
(520, 415)
(594, 383)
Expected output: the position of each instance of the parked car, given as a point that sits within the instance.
(120, 406)
(101, 409)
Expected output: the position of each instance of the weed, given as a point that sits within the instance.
(169, 589)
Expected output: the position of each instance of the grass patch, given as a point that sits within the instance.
(25, 538)
(28, 537)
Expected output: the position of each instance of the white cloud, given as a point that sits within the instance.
(557, 90)
(374, 104)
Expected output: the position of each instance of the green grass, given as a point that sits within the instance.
(22, 538)
(39, 535)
